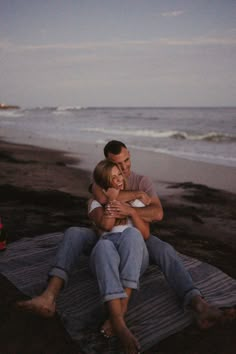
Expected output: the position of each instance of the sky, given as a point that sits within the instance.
(118, 53)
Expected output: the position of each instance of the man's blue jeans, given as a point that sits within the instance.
(80, 240)
(165, 257)
(76, 242)
(117, 261)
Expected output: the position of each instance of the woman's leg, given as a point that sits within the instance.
(130, 343)
(134, 258)
(119, 254)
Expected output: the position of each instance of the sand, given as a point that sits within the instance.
(41, 191)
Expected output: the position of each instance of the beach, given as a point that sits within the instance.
(45, 190)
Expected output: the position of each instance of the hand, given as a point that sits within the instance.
(118, 209)
(111, 193)
(144, 197)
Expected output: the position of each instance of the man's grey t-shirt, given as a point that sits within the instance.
(141, 183)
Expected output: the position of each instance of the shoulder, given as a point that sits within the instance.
(142, 183)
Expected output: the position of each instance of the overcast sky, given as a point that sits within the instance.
(118, 52)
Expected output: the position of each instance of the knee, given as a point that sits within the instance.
(73, 230)
(71, 233)
(101, 253)
(132, 236)
(157, 247)
(77, 236)
(102, 248)
(167, 249)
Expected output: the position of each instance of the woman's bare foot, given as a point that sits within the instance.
(130, 343)
(107, 330)
(43, 305)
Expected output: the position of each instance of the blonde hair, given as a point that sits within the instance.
(102, 173)
(102, 176)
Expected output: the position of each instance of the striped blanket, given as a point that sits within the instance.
(154, 312)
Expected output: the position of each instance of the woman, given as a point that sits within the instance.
(120, 256)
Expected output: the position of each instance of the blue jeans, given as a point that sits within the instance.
(117, 261)
(81, 240)
(76, 241)
(165, 257)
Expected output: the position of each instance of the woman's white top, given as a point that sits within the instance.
(117, 228)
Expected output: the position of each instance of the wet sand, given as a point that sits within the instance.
(40, 193)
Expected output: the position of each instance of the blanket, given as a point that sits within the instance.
(154, 311)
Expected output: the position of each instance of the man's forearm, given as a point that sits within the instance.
(127, 196)
(150, 213)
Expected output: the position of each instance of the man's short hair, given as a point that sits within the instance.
(113, 147)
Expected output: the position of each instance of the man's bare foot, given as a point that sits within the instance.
(208, 316)
(107, 330)
(43, 305)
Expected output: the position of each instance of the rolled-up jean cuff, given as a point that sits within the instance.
(129, 284)
(114, 296)
(60, 273)
(190, 295)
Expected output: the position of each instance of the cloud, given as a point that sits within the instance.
(172, 13)
(198, 41)
(121, 45)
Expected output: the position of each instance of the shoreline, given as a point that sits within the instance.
(41, 192)
(164, 169)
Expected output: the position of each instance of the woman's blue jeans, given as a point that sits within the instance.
(117, 261)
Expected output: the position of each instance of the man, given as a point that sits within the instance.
(78, 240)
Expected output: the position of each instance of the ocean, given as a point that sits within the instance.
(202, 134)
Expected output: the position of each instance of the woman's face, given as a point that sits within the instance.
(117, 179)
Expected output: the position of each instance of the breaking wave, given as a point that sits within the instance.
(181, 135)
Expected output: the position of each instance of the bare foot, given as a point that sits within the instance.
(130, 343)
(107, 330)
(43, 305)
(208, 316)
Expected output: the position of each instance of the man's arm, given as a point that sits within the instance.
(123, 196)
(153, 210)
(149, 213)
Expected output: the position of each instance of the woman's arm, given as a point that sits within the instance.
(121, 210)
(100, 219)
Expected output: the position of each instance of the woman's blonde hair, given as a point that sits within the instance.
(102, 173)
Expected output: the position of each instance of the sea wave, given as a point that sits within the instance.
(174, 134)
(11, 113)
(68, 108)
(219, 159)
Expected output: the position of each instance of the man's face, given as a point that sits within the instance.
(123, 160)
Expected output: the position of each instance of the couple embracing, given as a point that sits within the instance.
(121, 248)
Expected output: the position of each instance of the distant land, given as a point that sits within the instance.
(8, 106)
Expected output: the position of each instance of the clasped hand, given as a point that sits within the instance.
(117, 209)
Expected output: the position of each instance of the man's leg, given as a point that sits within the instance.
(76, 241)
(165, 257)
(163, 254)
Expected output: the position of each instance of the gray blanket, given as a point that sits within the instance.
(154, 312)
